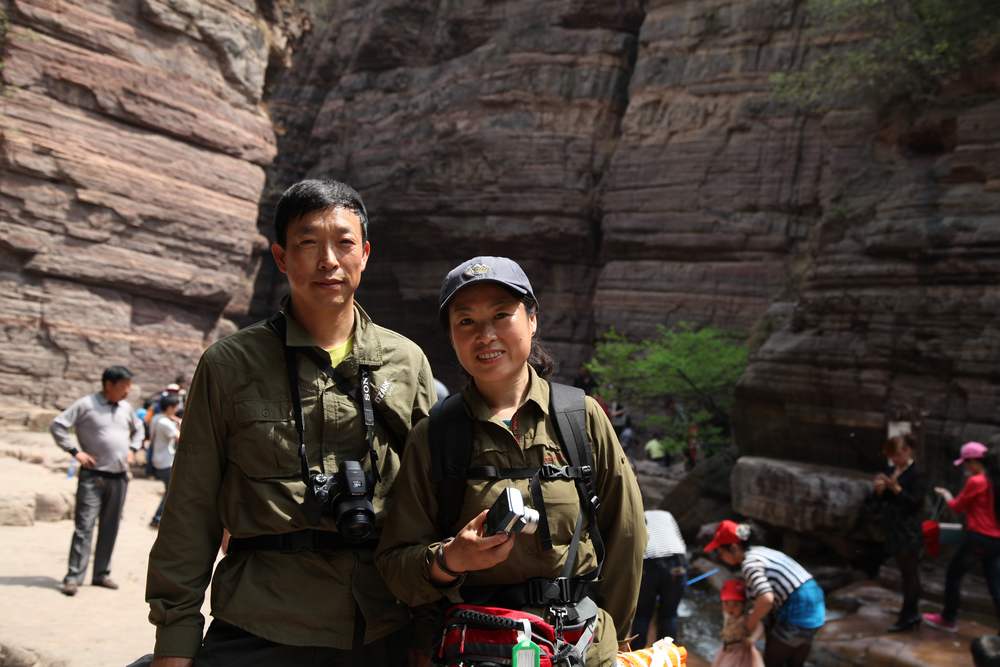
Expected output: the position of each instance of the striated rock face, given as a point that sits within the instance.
(470, 128)
(898, 301)
(627, 153)
(132, 146)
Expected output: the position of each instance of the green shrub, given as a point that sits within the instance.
(883, 51)
(682, 377)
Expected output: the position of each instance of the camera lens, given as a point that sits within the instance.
(356, 519)
(529, 522)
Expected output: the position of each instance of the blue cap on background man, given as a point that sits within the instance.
(500, 270)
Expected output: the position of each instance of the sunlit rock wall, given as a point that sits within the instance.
(132, 147)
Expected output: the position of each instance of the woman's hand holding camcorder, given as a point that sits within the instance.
(472, 551)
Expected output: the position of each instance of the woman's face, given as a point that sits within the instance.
(902, 456)
(491, 332)
(973, 467)
(731, 555)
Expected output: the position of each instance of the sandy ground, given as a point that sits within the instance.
(98, 627)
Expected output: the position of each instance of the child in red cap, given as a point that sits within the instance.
(738, 648)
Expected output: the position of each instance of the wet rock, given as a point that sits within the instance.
(860, 639)
(800, 496)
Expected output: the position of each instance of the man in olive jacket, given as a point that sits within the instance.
(292, 589)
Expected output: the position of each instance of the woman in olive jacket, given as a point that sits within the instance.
(489, 310)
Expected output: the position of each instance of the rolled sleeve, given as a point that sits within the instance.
(411, 534)
(61, 426)
(621, 520)
(180, 563)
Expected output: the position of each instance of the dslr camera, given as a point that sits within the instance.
(509, 515)
(347, 496)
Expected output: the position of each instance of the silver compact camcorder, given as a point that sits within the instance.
(509, 515)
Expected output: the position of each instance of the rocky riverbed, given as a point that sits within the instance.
(39, 627)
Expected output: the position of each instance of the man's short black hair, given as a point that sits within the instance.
(114, 374)
(315, 195)
(169, 401)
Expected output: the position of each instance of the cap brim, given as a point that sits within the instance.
(959, 461)
(478, 281)
(712, 546)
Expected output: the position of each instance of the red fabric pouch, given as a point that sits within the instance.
(474, 634)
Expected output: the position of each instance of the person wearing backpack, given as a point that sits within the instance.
(579, 572)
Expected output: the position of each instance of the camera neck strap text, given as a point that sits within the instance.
(367, 409)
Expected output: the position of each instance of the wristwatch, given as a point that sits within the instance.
(439, 559)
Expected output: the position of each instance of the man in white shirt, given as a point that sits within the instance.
(162, 445)
(664, 572)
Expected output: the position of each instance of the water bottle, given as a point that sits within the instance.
(71, 469)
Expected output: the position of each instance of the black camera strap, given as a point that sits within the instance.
(368, 411)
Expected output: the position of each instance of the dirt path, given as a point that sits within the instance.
(98, 627)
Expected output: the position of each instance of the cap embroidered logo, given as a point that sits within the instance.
(477, 270)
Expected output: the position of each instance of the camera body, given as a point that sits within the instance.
(509, 515)
(347, 496)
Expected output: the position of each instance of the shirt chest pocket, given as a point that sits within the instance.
(264, 443)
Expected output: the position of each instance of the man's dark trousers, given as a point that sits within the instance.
(662, 578)
(226, 645)
(98, 495)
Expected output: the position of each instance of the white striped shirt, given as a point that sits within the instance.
(769, 571)
(664, 535)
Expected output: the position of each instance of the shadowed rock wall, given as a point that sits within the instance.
(897, 307)
(624, 152)
(132, 145)
(627, 153)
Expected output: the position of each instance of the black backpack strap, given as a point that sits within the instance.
(568, 406)
(450, 438)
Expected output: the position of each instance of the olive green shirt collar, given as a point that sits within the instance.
(538, 393)
(367, 347)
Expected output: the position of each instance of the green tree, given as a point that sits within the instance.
(679, 379)
(882, 51)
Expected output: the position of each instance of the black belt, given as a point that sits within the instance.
(302, 540)
(538, 592)
(102, 473)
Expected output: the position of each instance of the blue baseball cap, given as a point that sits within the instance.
(500, 270)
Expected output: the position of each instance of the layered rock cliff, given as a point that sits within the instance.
(627, 153)
(133, 145)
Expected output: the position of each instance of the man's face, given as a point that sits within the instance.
(323, 258)
(117, 391)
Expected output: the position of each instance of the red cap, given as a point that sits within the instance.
(733, 589)
(726, 533)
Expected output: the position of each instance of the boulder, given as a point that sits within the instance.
(702, 496)
(17, 509)
(802, 497)
(54, 505)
